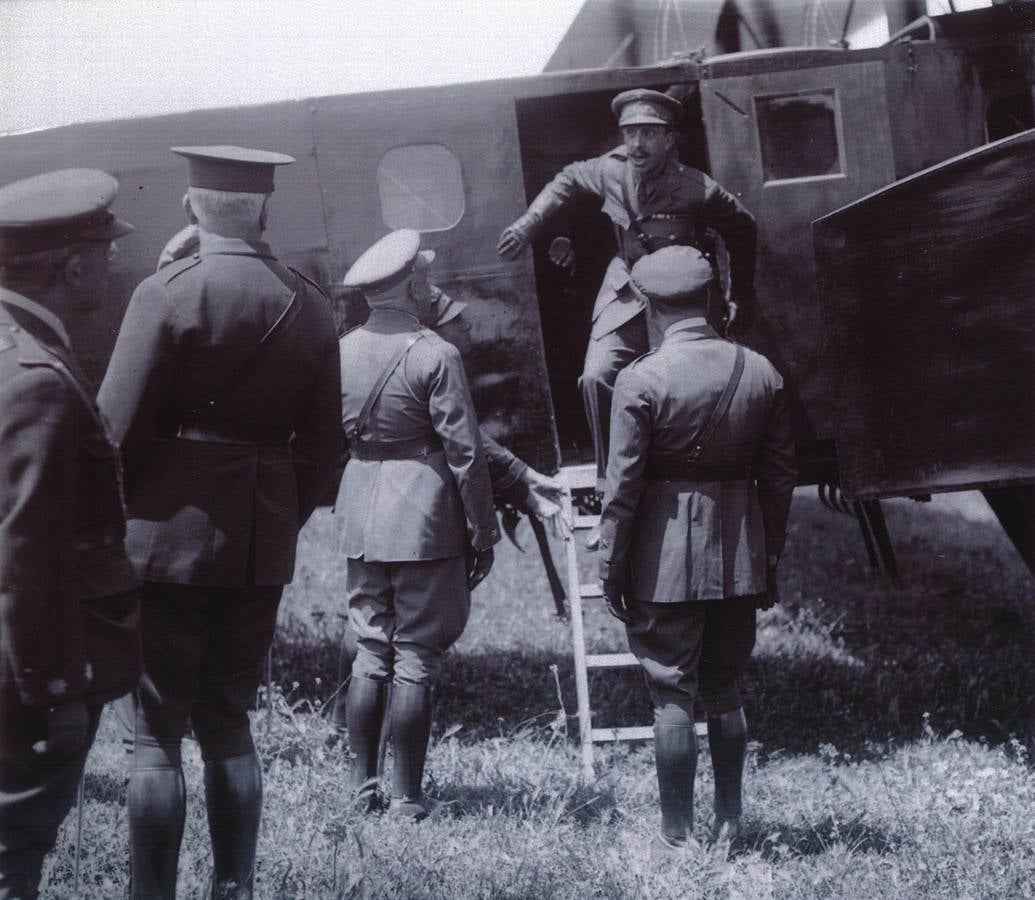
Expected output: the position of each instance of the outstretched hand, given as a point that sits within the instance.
(513, 240)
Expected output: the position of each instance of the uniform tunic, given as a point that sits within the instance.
(68, 602)
(406, 524)
(681, 203)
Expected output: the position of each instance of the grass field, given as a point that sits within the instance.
(892, 729)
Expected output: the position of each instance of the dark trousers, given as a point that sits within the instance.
(37, 789)
(204, 650)
(693, 648)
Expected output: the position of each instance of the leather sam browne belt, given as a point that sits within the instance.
(235, 433)
(680, 470)
(379, 451)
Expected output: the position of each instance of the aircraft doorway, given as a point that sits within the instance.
(552, 132)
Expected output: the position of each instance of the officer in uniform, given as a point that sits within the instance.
(415, 514)
(223, 394)
(699, 485)
(653, 201)
(69, 613)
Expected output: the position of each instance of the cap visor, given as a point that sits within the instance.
(642, 120)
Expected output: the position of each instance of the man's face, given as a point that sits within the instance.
(457, 332)
(647, 145)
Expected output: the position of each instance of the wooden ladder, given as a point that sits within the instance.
(574, 478)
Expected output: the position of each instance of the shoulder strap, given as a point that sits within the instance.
(379, 385)
(309, 281)
(719, 411)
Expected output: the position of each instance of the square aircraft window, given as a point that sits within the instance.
(421, 187)
(798, 135)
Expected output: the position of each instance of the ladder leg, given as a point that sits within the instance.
(578, 639)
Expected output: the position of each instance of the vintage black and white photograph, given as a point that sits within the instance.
(517, 449)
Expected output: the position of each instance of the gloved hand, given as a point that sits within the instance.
(562, 254)
(514, 239)
(545, 500)
(772, 585)
(617, 604)
(67, 727)
(479, 562)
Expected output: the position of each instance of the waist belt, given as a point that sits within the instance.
(678, 470)
(226, 433)
(379, 451)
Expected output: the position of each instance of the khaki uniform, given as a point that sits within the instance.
(68, 601)
(697, 543)
(678, 206)
(422, 511)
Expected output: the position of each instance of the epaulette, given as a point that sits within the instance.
(177, 267)
(310, 281)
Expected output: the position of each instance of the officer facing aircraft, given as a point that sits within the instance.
(69, 611)
(699, 487)
(654, 201)
(415, 514)
(223, 393)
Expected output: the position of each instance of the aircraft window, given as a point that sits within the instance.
(798, 135)
(421, 187)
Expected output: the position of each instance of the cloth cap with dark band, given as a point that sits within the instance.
(227, 168)
(675, 276)
(646, 107)
(387, 263)
(55, 209)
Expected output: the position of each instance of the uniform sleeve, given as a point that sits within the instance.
(505, 469)
(455, 422)
(631, 420)
(41, 636)
(139, 374)
(318, 439)
(776, 473)
(728, 216)
(577, 178)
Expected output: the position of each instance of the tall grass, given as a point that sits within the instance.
(891, 730)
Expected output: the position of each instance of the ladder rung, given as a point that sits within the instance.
(593, 589)
(636, 733)
(610, 660)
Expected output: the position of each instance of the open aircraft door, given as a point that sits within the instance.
(445, 161)
(927, 291)
(794, 144)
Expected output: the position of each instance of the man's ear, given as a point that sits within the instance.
(72, 270)
(670, 138)
(189, 210)
(264, 214)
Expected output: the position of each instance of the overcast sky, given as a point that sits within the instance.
(77, 60)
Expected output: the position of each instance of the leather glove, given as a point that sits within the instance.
(514, 239)
(68, 725)
(772, 585)
(479, 562)
(562, 254)
(617, 604)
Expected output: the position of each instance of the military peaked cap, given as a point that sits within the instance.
(676, 275)
(228, 168)
(645, 107)
(56, 209)
(444, 309)
(388, 262)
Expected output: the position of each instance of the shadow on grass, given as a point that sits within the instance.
(777, 840)
(583, 804)
(950, 646)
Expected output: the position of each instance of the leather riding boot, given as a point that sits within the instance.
(411, 729)
(675, 756)
(233, 797)
(364, 712)
(156, 801)
(346, 657)
(727, 740)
